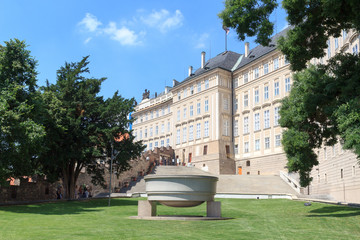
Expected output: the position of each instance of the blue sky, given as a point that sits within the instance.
(136, 44)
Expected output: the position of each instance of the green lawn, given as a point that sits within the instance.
(253, 219)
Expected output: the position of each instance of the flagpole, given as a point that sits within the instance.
(225, 41)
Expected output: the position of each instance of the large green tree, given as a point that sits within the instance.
(81, 127)
(21, 131)
(324, 102)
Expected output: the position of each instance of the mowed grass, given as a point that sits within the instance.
(252, 219)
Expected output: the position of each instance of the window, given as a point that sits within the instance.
(328, 49)
(156, 144)
(336, 42)
(267, 143)
(191, 110)
(246, 100)
(246, 77)
(276, 89)
(150, 146)
(178, 115)
(344, 33)
(236, 128)
(207, 84)
(169, 109)
(179, 95)
(151, 132)
(205, 149)
(266, 93)
(168, 127)
(162, 128)
(236, 82)
(156, 130)
(257, 121)
(276, 63)
(140, 134)
(276, 116)
(157, 112)
(287, 84)
(248, 164)
(226, 128)
(178, 136)
(145, 133)
(199, 87)
(185, 92)
(236, 149)
(198, 110)
(191, 133)
(206, 105)
(184, 134)
(256, 94)
(257, 144)
(198, 130)
(184, 113)
(146, 117)
(266, 68)
(246, 124)
(168, 142)
(206, 128)
(162, 143)
(277, 140)
(225, 103)
(192, 90)
(236, 104)
(355, 49)
(266, 119)
(256, 73)
(227, 150)
(246, 147)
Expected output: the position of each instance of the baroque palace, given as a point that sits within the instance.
(223, 118)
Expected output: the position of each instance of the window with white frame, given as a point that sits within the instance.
(184, 113)
(236, 82)
(256, 73)
(225, 103)
(179, 95)
(150, 146)
(198, 108)
(276, 89)
(266, 92)
(257, 121)
(162, 128)
(178, 115)
(287, 84)
(198, 130)
(178, 136)
(246, 100)
(145, 133)
(168, 126)
(355, 49)
(267, 143)
(163, 111)
(246, 147)
(168, 142)
(257, 144)
(236, 104)
(162, 143)
(276, 116)
(344, 34)
(256, 96)
(236, 149)
(246, 124)
(191, 132)
(226, 127)
(146, 117)
(151, 132)
(236, 128)
(156, 130)
(185, 92)
(206, 105)
(140, 135)
(206, 83)
(156, 144)
(199, 87)
(157, 112)
(277, 140)
(191, 110)
(266, 68)
(184, 134)
(276, 63)
(246, 77)
(336, 42)
(191, 90)
(206, 128)
(266, 119)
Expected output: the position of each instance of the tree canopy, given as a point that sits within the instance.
(324, 101)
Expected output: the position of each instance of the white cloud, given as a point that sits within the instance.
(87, 40)
(162, 20)
(202, 40)
(90, 22)
(123, 35)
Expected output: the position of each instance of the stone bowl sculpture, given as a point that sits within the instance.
(180, 190)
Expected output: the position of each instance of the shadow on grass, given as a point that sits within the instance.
(335, 211)
(69, 207)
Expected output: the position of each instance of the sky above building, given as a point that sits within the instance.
(135, 44)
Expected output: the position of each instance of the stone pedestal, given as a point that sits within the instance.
(146, 208)
(213, 209)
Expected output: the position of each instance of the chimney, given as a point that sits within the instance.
(247, 45)
(156, 94)
(202, 59)
(190, 70)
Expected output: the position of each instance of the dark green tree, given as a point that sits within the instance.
(21, 131)
(324, 101)
(82, 127)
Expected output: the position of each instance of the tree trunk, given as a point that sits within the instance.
(69, 181)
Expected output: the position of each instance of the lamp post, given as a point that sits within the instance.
(113, 156)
